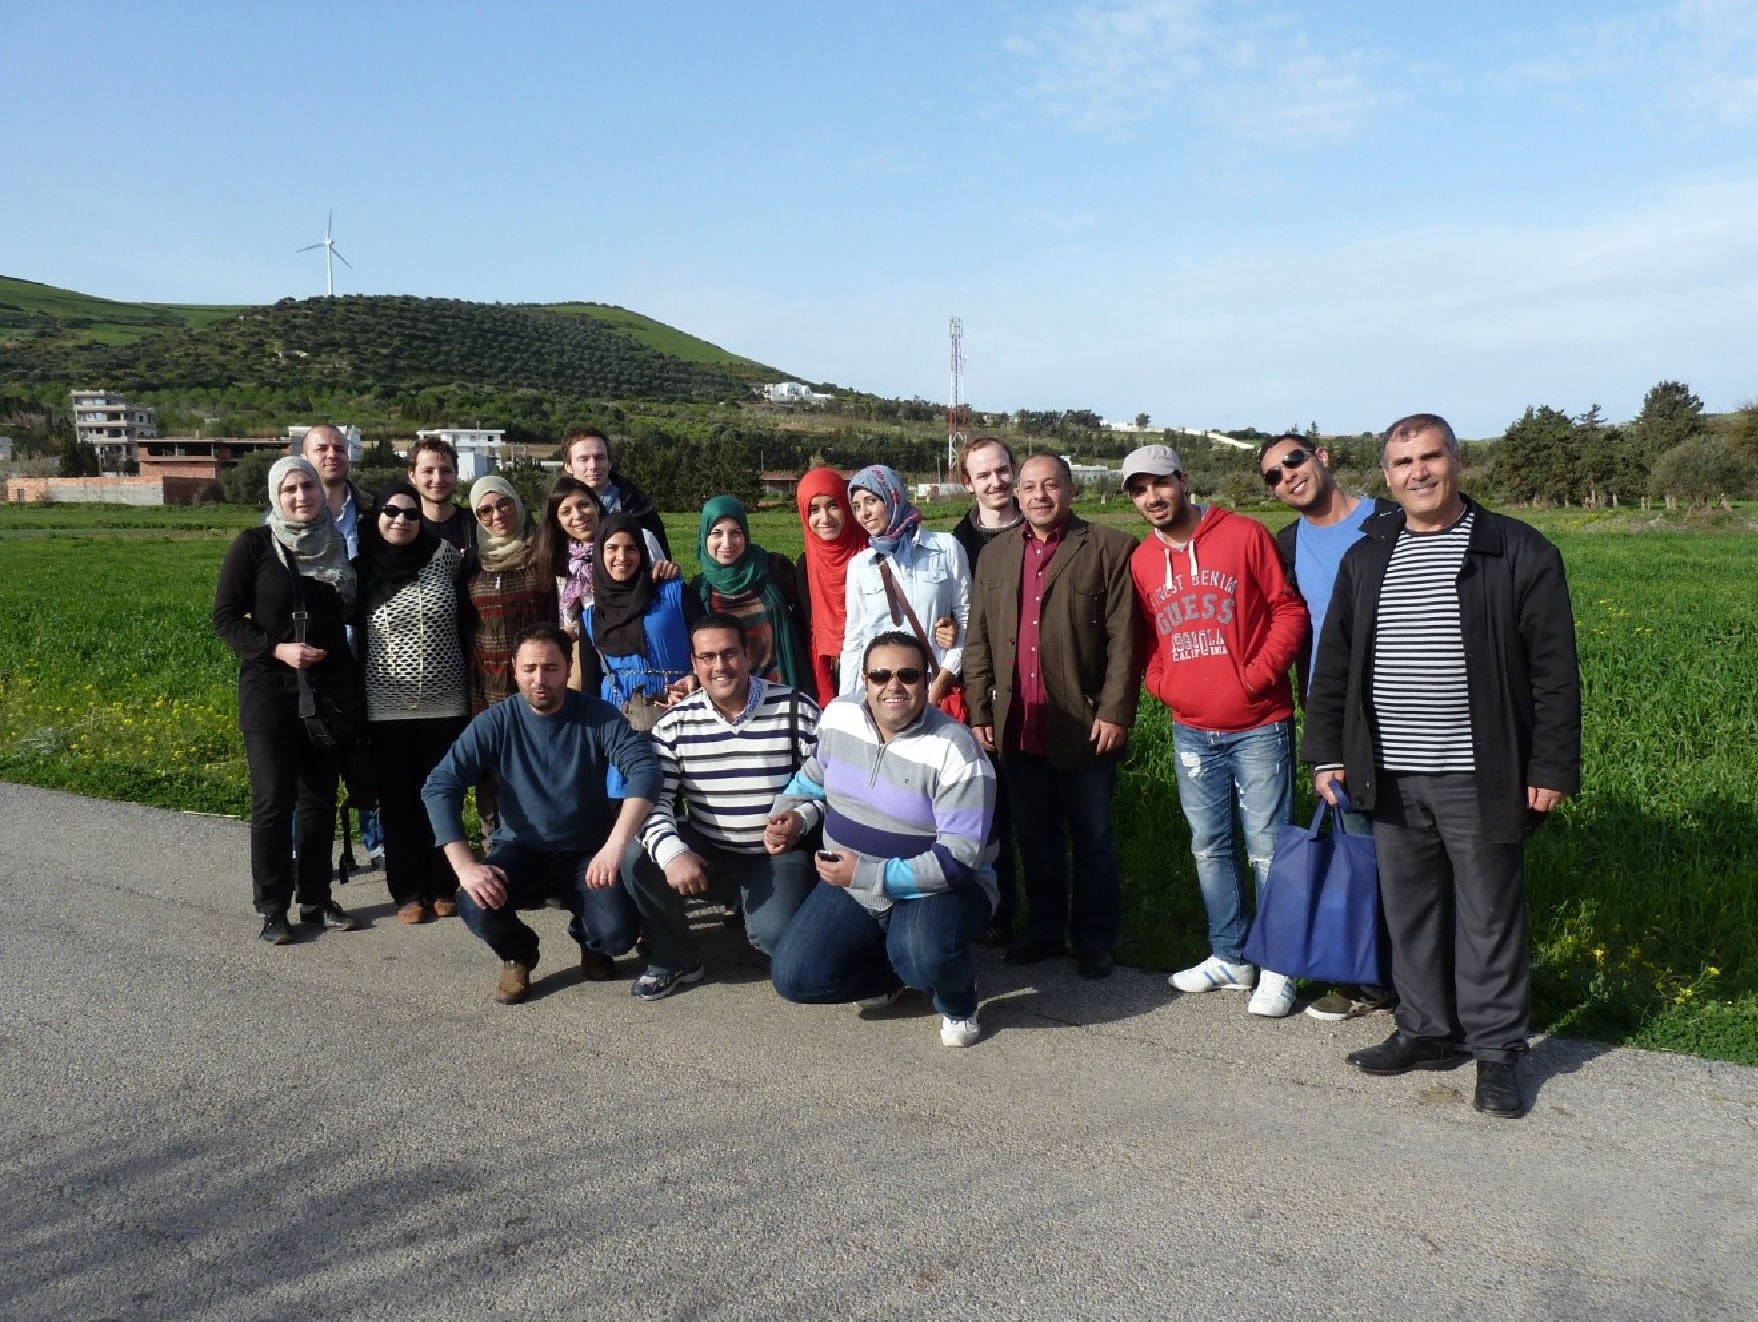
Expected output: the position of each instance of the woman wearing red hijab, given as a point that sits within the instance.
(833, 538)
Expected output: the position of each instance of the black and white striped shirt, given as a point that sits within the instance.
(727, 773)
(1422, 707)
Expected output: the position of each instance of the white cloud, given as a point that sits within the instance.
(1258, 76)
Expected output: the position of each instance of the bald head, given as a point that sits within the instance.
(327, 449)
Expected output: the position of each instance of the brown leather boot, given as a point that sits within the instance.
(515, 982)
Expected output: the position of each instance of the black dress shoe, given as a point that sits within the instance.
(1031, 951)
(596, 966)
(1399, 1054)
(331, 915)
(1094, 964)
(276, 931)
(1498, 1090)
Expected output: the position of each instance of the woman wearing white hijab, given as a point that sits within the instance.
(294, 565)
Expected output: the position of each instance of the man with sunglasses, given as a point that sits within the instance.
(725, 752)
(1312, 547)
(1226, 629)
(906, 877)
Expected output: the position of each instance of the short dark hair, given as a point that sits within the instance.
(1304, 442)
(976, 443)
(721, 620)
(1414, 425)
(545, 632)
(583, 434)
(435, 444)
(898, 638)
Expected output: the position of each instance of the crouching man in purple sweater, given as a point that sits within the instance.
(559, 834)
(906, 878)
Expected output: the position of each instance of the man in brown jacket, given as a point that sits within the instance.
(1051, 678)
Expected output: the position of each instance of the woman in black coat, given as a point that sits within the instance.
(295, 565)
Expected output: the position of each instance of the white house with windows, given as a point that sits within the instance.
(112, 426)
(794, 392)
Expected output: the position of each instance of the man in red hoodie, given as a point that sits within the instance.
(1226, 627)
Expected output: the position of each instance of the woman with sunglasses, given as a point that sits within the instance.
(909, 579)
(833, 539)
(285, 592)
(740, 578)
(417, 688)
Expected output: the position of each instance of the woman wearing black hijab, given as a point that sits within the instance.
(417, 688)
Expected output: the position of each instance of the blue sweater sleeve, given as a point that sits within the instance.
(462, 766)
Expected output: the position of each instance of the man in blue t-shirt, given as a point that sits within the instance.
(1312, 548)
(560, 835)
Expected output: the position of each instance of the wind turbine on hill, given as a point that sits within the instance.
(329, 246)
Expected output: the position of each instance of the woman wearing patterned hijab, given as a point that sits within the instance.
(417, 687)
(740, 578)
(906, 570)
(294, 565)
(509, 590)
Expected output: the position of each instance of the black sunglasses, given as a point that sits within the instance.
(905, 675)
(505, 505)
(399, 512)
(1294, 459)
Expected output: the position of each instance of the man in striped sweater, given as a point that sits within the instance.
(906, 877)
(1448, 701)
(724, 753)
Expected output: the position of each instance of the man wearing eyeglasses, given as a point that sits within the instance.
(1312, 547)
(1227, 627)
(906, 877)
(1447, 701)
(725, 752)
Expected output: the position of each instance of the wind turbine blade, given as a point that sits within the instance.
(340, 258)
(328, 222)
(308, 247)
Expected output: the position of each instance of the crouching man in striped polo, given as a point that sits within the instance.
(1447, 699)
(906, 878)
(724, 752)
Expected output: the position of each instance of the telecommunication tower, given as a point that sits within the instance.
(958, 413)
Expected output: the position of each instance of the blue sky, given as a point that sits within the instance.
(1220, 214)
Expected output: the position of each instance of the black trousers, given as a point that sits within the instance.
(287, 770)
(402, 753)
(1456, 911)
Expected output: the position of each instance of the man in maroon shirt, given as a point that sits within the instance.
(1051, 678)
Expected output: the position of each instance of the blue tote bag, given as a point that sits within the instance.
(1319, 914)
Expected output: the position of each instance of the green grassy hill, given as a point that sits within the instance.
(387, 347)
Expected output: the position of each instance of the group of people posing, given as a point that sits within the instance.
(852, 750)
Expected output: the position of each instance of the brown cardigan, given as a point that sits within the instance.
(1090, 622)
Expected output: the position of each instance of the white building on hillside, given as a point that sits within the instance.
(479, 448)
(111, 425)
(794, 392)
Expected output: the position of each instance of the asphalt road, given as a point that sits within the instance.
(193, 1124)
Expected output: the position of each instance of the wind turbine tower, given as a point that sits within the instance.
(958, 413)
(331, 257)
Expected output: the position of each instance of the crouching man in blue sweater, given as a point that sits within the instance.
(559, 834)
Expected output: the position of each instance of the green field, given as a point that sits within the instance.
(667, 339)
(85, 318)
(1642, 892)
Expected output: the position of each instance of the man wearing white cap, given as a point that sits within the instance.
(1227, 626)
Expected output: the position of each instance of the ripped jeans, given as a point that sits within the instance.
(1215, 768)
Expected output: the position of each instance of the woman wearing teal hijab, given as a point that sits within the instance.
(741, 579)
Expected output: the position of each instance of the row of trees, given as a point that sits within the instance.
(1670, 450)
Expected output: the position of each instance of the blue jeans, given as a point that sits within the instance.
(1253, 769)
(604, 920)
(769, 888)
(837, 950)
(1053, 808)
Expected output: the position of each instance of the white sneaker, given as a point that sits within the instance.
(1274, 997)
(1214, 974)
(959, 1032)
